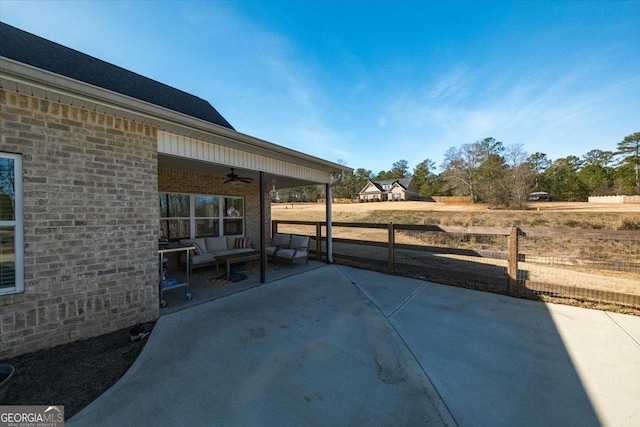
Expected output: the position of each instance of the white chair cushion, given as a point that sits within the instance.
(289, 253)
(215, 244)
(299, 242)
(281, 240)
(242, 250)
(224, 252)
(200, 259)
(269, 250)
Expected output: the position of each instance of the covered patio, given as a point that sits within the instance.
(229, 167)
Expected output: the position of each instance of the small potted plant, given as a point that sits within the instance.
(6, 375)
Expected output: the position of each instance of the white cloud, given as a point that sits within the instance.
(453, 86)
(550, 109)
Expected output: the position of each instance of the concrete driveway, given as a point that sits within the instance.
(339, 346)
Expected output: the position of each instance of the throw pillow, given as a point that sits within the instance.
(243, 243)
(197, 250)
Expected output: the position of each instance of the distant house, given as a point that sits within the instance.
(389, 189)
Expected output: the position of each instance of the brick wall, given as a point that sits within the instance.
(178, 181)
(90, 222)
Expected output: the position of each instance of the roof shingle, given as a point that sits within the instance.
(38, 52)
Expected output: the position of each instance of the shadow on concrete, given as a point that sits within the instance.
(494, 360)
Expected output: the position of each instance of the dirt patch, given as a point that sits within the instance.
(73, 374)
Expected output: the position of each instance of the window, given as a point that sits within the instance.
(207, 216)
(233, 215)
(184, 216)
(11, 228)
(175, 214)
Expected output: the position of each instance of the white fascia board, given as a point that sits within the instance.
(370, 188)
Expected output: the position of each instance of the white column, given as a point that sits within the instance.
(329, 242)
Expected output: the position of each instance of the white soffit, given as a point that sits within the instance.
(210, 152)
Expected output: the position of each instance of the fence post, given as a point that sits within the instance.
(512, 269)
(392, 243)
(319, 241)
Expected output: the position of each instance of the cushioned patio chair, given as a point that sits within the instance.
(278, 242)
(298, 250)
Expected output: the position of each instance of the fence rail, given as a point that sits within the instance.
(592, 265)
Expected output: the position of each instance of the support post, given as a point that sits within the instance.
(512, 269)
(263, 226)
(319, 241)
(328, 215)
(392, 244)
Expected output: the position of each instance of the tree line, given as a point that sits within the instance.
(503, 175)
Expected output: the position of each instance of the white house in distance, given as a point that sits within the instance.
(389, 189)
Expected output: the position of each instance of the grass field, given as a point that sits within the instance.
(541, 214)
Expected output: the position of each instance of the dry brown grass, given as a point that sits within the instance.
(544, 214)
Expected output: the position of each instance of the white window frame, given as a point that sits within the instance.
(18, 226)
(222, 216)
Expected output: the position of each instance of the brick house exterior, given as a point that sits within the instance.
(93, 164)
(90, 223)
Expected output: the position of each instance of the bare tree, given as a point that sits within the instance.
(519, 181)
(461, 168)
(515, 155)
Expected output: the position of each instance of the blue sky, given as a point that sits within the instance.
(373, 82)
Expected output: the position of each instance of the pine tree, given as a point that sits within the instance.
(630, 148)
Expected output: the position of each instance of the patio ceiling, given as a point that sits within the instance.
(215, 169)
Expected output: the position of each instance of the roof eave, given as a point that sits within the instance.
(34, 81)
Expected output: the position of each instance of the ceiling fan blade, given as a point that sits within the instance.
(233, 177)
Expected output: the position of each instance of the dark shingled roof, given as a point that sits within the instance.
(30, 49)
(404, 182)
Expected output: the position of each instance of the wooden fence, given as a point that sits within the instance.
(523, 262)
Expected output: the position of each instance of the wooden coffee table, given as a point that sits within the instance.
(234, 259)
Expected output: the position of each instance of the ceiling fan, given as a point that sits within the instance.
(233, 178)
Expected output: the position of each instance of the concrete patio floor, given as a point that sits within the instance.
(202, 291)
(341, 346)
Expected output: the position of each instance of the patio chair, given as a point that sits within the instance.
(278, 242)
(298, 250)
